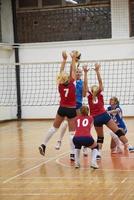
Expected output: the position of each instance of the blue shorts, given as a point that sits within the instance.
(82, 141)
(78, 105)
(101, 119)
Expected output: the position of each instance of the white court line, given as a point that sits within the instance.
(28, 170)
(15, 158)
(113, 192)
(70, 166)
(8, 158)
(88, 167)
(124, 180)
(40, 194)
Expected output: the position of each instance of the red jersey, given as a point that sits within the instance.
(96, 107)
(83, 125)
(67, 95)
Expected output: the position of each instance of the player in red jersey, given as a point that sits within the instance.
(79, 97)
(97, 110)
(83, 136)
(67, 108)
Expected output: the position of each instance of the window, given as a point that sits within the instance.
(51, 2)
(27, 3)
(64, 23)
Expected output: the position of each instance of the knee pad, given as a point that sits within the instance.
(64, 124)
(119, 133)
(100, 139)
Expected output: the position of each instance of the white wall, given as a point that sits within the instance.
(90, 50)
(6, 56)
(6, 22)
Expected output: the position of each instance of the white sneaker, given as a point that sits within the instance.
(94, 165)
(77, 165)
(58, 145)
(98, 157)
(131, 149)
(85, 151)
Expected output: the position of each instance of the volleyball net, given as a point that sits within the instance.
(38, 85)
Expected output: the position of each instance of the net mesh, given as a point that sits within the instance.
(39, 88)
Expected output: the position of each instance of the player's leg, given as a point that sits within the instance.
(94, 154)
(113, 126)
(115, 145)
(63, 129)
(77, 144)
(71, 126)
(100, 139)
(58, 120)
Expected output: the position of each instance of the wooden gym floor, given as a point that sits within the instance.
(26, 175)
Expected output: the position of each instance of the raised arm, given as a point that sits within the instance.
(73, 65)
(64, 59)
(85, 83)
(97, 69)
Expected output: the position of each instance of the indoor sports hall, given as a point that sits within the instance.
(33, 35)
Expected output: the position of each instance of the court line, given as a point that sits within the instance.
(13, 158)
(88, 167)
(113, 191)
(32, 168)
(40, 194)
(124, 180)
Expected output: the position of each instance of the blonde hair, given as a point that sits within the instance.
(84, 110)
(63, 78)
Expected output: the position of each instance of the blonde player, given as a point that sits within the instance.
(67, 107)
(99, 113)
(79, 97)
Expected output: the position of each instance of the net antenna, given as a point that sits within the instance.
(71, 1)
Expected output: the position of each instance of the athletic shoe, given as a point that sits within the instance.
(72, 157)
(58, 145)
(98, 157)
(94, 165)
(85, 151)
(42, 148)
(77, 165)
(131, 149)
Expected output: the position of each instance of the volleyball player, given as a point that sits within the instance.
(83, 136)
(115, 112)
(99, 113)
(67, 108)
(79, 97)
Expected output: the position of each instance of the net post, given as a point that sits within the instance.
(18, 87)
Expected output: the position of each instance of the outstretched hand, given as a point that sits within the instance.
(64, 55)
(85, 68)
(97, 67)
